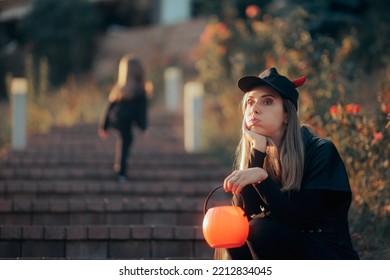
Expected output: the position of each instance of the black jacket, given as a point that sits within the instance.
(320, 209)
(121, 115)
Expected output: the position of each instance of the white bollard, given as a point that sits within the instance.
(193, 94)
(173, 11)
(19, 113)
(173, 88)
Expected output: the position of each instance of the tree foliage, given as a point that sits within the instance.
(65, 33)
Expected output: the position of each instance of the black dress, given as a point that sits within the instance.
(122, 116)
(308, 224)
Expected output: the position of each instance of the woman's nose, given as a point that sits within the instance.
(255, 109)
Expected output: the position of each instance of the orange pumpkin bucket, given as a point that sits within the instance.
(224, 226)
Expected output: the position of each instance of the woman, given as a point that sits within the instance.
(294, 184)
(127, 106)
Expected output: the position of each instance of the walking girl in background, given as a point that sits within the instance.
(293, 185)
(127, 107)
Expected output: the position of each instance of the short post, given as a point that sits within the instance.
(173, 88)
(19, 113)
(173, 11)
(193, 93)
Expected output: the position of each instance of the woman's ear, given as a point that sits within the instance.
(285, 121)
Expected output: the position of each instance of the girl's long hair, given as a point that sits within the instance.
(131, 79)
(283, 164)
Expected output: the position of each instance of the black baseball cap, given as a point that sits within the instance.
(272, 78)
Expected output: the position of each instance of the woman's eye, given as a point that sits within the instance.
(268, 101)
(250, 102)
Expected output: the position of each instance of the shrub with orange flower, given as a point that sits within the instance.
(386, 108)
(207, 34)
(283, 43)
(360, 139)
(222, 31)
(335, 112)
(378, 136)
(252, 11)
(352, 109)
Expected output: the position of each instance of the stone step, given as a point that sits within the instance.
(103, 242)
(59, 198)
(75, 173)
(137, 160)
(105, 211)
(93, 145)
(73, 136)
(26, 189)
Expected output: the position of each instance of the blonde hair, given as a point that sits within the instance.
(130, 77)
(283, 164)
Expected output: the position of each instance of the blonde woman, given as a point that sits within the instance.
(127, 106)
(294, 185)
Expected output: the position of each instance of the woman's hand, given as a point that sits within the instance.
(258, 141)
(102, 134)
(238, 179)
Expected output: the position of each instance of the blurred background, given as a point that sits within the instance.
(69, 52)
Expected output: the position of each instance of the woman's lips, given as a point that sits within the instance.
(253, 121)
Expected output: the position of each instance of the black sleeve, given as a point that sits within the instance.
(325, 187)
(257, 158)
(105, 122)
(252, 199)
(307, 205)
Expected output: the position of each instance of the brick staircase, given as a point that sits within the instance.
(59, 199)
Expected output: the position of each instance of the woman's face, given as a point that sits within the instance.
(264, 113)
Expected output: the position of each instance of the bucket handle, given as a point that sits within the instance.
(210, 194)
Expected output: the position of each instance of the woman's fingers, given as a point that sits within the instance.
(229, 181)
(258, 141)
(235, 182)
(238, 179)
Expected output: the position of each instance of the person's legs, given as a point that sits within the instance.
(123, 144)
(118, 152)
(271, 240)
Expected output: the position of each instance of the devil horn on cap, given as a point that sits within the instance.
(300, 81)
